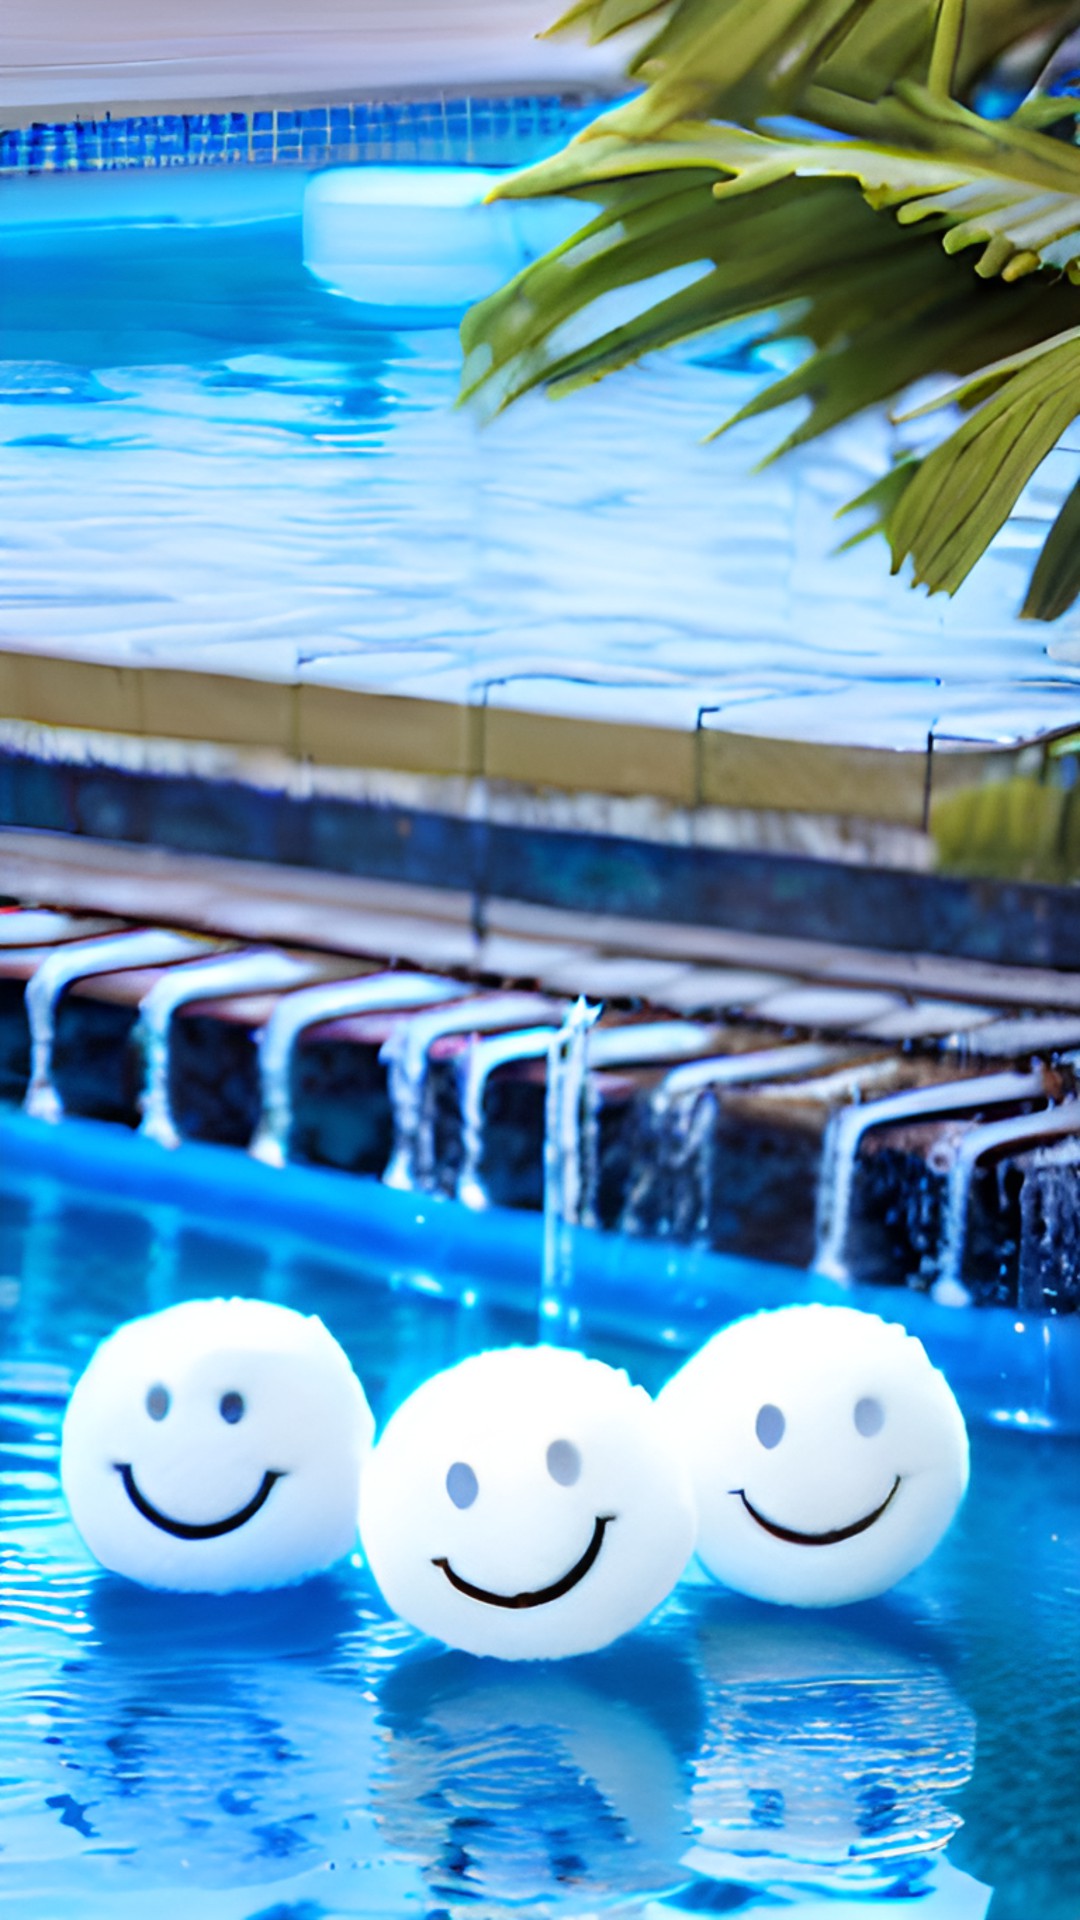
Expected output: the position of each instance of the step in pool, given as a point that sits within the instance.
(654, 1113)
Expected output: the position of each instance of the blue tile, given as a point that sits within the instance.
(503, 132)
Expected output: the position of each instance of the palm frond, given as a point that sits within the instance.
(844, 235)
(1055, 582)
(965, 489)
(1004, 187)
(602, 19)
(741, 58)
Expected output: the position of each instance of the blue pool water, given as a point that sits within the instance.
(208, 457)
(301, 1756)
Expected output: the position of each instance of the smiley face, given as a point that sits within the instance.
(526, 1504)
(216, 1445)
(828, 1456)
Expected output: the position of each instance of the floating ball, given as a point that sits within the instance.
(828, 1456)
(216, 1445)
(526, 1504)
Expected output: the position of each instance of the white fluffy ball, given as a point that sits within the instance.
(526, 1504)
(216, 1445)
(828, 1456)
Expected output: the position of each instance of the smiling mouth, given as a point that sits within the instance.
(543, 1594)
(817, 1539)
(190, 1529)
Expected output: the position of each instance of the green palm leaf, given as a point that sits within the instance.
(1055, 582)
(965, 489)
(719, 58)
(846, 242)
(1007, 188)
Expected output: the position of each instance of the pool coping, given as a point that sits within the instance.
(954, 807)
(323, 725)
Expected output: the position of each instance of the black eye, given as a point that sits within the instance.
(869, 1417)
(769, 1426)
(231, 1407)
(462, 1484)
(158, 1403)
(563, 1462)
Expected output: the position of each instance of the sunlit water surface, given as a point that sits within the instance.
(299, 1756)
(208, 457)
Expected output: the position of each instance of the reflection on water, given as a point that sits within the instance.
(561, 1788)
(727, 1758)
(300, 1747)
(830, 1756)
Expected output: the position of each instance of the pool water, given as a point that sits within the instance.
(300, 1755)
(208, 457)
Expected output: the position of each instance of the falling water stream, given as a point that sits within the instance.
(150, 947)
(567, 1074)
(849, 1127)
(309, 1007)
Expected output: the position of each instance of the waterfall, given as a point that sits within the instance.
(1019, 1131)
(847, 1129)
(635, 1043)
(62, 967)
(312, 1007)
(481, 1061)
(567, 1070)
(406, 1053)
(678, 1130)
(251, 970)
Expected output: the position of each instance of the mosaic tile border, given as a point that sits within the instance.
(1010, 923)
(453, 131)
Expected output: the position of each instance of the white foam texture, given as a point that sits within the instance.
(526, 1504)
(828, 1455)
(217, 1445)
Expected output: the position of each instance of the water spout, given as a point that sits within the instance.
(1019, 1131)
(636, 1043)
(644, 1043)
(311, 1007)
(847, 1129)
(42, 927)
(406, 1057)
(256, 970)
(567, 1071)
(62, 967)
(680, 1127)
(482, 1060)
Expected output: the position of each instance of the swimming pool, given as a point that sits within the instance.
(210, 458)
(300, 1754)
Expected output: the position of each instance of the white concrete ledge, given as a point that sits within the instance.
(90, 56)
